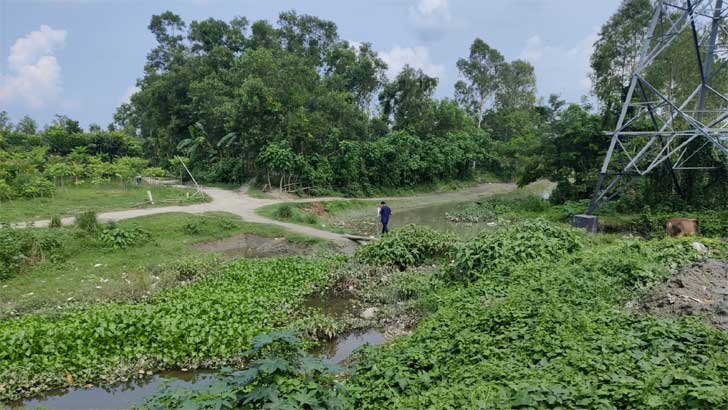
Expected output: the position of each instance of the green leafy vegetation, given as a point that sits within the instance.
(83, 269)
(207, 322)
(88, 222)
(55, 222)
(21, 249)
(529, 241)
(113, 236)
(280, 375)
(550, 333)
(499, 207)
(410, 245)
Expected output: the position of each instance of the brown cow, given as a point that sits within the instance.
(682, 227)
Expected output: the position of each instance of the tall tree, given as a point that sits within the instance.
(482, 72)
(616, 51)
(26, 126)
(517, 88)
(406, 101)
(5, 124)
(168, 28)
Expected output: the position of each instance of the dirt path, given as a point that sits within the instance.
(243, 205)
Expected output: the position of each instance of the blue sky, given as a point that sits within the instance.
(82, 57)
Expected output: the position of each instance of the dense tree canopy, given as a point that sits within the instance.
(294, 105)
(291, 103)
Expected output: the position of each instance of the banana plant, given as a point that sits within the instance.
(198, 143)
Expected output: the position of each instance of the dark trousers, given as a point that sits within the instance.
(384, 227)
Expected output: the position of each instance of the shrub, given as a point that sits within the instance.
(23, 247)
(284, 211)
(410, 245)
(193, 227)
(121, 238)
(506, 248)
(309, 218)
(154, 172)
(87, 221)
(55, 222)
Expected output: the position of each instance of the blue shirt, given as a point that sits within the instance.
(384, 214)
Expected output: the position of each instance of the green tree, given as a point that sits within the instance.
(616, 51)
(406, 102)
(482, 72)
(5, 124)
(569, 152)
(26, 126)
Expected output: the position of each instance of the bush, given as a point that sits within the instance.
(284, 211)
(24, 247)
(501, 251)
(154, 172)
(87, 221)
(55, 222)
(410, 245)
(121, 238)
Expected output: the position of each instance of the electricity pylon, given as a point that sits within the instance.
(656, 128)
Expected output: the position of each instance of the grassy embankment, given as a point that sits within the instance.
(72, 200)
(85, 270)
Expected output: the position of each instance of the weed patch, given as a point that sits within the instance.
(209, 321)
(410, 245)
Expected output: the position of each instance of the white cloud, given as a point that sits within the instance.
(35, 75)
(128, 93)
(431, 17)
(561, 69)
(416, 57)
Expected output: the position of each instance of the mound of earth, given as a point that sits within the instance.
(700, 289)
(254, 246)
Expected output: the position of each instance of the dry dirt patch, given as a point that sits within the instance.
(700, 289)
(254, 246)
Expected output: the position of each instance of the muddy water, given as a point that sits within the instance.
(339, 349)
(434, 217)
(127, 395)
(120, 396)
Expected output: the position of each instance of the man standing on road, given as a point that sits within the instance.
(384, 212)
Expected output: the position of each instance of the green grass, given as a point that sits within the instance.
(89, 272)
(72, 200)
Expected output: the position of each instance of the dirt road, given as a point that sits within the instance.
(244, 205)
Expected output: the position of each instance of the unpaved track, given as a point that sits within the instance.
(243, 205)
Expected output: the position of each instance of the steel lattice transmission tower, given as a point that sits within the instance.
(656, 128)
